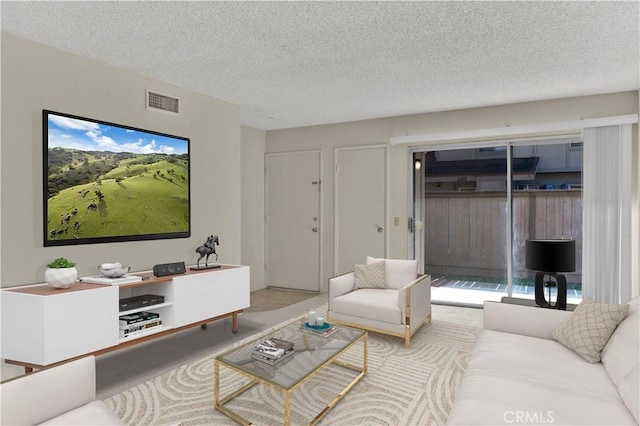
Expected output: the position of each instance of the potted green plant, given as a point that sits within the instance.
(61, 273)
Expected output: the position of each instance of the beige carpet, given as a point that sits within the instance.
(414, 386)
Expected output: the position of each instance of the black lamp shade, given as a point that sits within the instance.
(551, 255)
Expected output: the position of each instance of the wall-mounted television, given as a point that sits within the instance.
(106, 182)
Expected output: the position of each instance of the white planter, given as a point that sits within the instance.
(60, 277)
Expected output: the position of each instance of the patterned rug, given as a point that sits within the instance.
(414, 386)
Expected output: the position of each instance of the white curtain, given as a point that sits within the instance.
(606, 251)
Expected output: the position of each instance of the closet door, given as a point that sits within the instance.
(360, 205)
(293, 222)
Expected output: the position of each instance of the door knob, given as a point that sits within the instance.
(315, 229)
(380, 229)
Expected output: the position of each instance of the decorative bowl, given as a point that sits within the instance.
(113, 270)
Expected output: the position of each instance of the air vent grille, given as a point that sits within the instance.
(160, 102)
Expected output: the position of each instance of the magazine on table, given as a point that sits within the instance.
(270, 361)
(272, 349)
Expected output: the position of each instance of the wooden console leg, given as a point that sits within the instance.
(234, 318)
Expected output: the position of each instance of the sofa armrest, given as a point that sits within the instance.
(524, 320)
(341, 284)
(36, 397)
(415, 298)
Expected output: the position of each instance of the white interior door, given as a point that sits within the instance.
(360, 205)
(293, 224)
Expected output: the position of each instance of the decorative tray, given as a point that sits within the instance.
(322, 327)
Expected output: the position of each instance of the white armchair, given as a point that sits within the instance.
(399, 307)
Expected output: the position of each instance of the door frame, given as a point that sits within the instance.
(266, 209)
(336, 152)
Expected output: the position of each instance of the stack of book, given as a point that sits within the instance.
(138, 323)
(272, 351)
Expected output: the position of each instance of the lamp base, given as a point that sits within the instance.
(561, 299)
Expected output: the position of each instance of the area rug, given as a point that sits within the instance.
(404, 386)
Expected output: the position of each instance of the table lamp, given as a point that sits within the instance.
(547, 258)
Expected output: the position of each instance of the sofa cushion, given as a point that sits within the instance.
(369, 276)
(620, 358)
(398, 272)
(93, 413)
(378, 304)
(52, 390)
(542, 360)
(515, 379)
(620, 354)
(629, 390)
(588, 330)
(494, 398)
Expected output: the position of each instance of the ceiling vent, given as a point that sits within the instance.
(157, 101)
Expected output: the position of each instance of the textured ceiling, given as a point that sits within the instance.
(292, 64)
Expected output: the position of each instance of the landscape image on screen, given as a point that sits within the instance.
(106, 182)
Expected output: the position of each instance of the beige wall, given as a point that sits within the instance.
(328, 137)
(36, 77)
(253, 143)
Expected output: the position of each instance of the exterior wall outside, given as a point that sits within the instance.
(377, 131)
(36, 77)
(253, 227)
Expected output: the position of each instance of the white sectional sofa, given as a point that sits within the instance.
(518, 373)
(60, 395)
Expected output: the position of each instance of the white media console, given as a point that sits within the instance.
(42, 326)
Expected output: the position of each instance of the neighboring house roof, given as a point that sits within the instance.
(523, 168)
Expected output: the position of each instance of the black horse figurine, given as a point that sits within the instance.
(207, 249)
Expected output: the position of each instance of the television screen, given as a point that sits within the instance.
(105, 182)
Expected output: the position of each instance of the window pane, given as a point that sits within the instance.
(464, 216)
(547, 205)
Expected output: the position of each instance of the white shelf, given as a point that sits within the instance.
(146, 308)
(140, 335)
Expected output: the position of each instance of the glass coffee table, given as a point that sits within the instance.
(312, 354)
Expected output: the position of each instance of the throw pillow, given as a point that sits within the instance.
(369, 276)
(398, 272)
(588, 330)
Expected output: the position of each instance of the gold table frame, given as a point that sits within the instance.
(287, 392)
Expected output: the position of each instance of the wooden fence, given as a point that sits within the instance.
(465, 233)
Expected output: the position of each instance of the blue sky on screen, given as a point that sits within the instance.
(88, 135)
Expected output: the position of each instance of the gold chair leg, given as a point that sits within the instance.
(407, 336)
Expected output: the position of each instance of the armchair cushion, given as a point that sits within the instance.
(398, 272)
(362, 303)
(370, 276)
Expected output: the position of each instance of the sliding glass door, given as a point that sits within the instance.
(547, 205)
(463, 207)
(474, 209)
